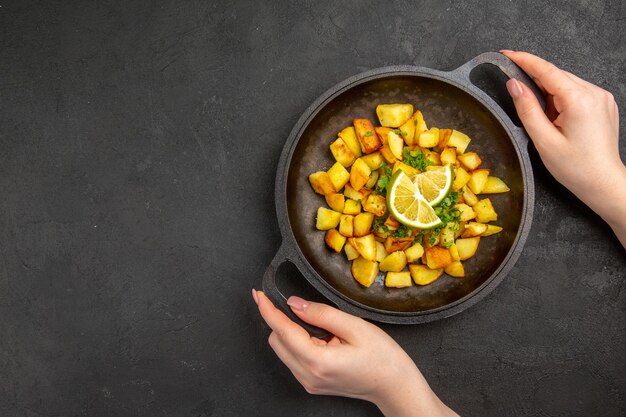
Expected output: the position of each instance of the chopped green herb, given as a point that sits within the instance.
(416, 159)
(380, 227)
(369, 133)
(397, 131)
(402, 231)
(383, 181)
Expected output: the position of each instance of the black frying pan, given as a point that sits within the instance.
(447, 100)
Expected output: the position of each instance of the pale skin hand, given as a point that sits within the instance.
(578, 142)
(359, 361)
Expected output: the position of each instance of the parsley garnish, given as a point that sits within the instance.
(368, 133)
(402, 231)
(380, 227)
(416, 159)
(383, 180)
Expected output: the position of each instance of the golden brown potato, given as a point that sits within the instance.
(393, 115)
(469, 197)
(396, 145)
(478, 180)
(387, 154)
(346, 225)
(395, 261)
(393, 244)
(342, 153)
(321, 183)
(459, 140)
(383, 133)
(454, 251)
(494, 185)
(461, 177)
(411, 129)
(398, 279)
(455, 269)
(391, 223)
(364, 271)
(429, 138)
(448, 156)
(438, 257)
(444, 137)
(491, 230)
(339, 176)
(350, 192)
(334, 240)
(374, 160)
(365, 245)
(474, 229)
(423, 275)
(381, 253)
(351, 253)
(348, 135)
(376, 204)
(359, 174)
(470, 160)
(327, 219)
(372, 180)
(414, 253)
(466, 212)
(467, 247)
(336, 201)
(485, 212)
(363, 224)
(370, 142)
(408, 170)
(351, 207)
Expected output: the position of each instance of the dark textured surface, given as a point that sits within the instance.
(138, 147)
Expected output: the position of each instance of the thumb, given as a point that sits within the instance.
(537, 124)
(342, 325)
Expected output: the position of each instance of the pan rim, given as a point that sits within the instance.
(389, 316)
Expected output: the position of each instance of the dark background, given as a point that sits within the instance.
(138, 147)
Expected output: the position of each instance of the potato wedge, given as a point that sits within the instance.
(381, 253)
(438, 257)
(429, 138)
(492, 229)
(393, 115)
(363, 223)
(321, 183)
(470, 160)
(365, 245)
(396, 144)
(387, 154)
(478, 180)
(376, 204)
(454, 251)
(398, 279)
(461, 177)
(485, 212)
(359, 174)
(467, 247)
(395, 261)
(455, 269)
(346, 225)
(423, 275)
(339, 176)
(459, 140)
(414, 253)
(342, 153)
(364, 271)
(494, 185)
(469, 197)
(374, 160)
(466, 212)
(474, 229)
(336, 201)
(350, 192)
(348, 135)
(369, 140)
(327, 219)
(383, 133)
(408, 170)
(351, 207)
(334, 240)
(351, 253)
(444, 137)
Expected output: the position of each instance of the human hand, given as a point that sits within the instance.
(359, 361)
(577, 137)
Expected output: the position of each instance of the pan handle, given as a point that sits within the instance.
(509, 68)
(280, 301)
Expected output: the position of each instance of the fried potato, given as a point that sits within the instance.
(364, 271)
(393, 115)
(369, 140)
(327, 219)
(398, 279)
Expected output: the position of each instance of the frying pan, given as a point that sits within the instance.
(447, 100)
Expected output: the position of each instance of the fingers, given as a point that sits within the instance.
(539, 127)
(551, 78)
(342, 325)
(294, 337)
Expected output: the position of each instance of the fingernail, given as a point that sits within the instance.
(255, 297)
(514, 88)
(297, 303)
(504, 51)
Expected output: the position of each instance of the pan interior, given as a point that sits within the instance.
(443, 105)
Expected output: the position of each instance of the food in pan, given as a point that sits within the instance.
(405, 200)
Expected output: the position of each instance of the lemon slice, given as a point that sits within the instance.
(435, 183)
(408, 206)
